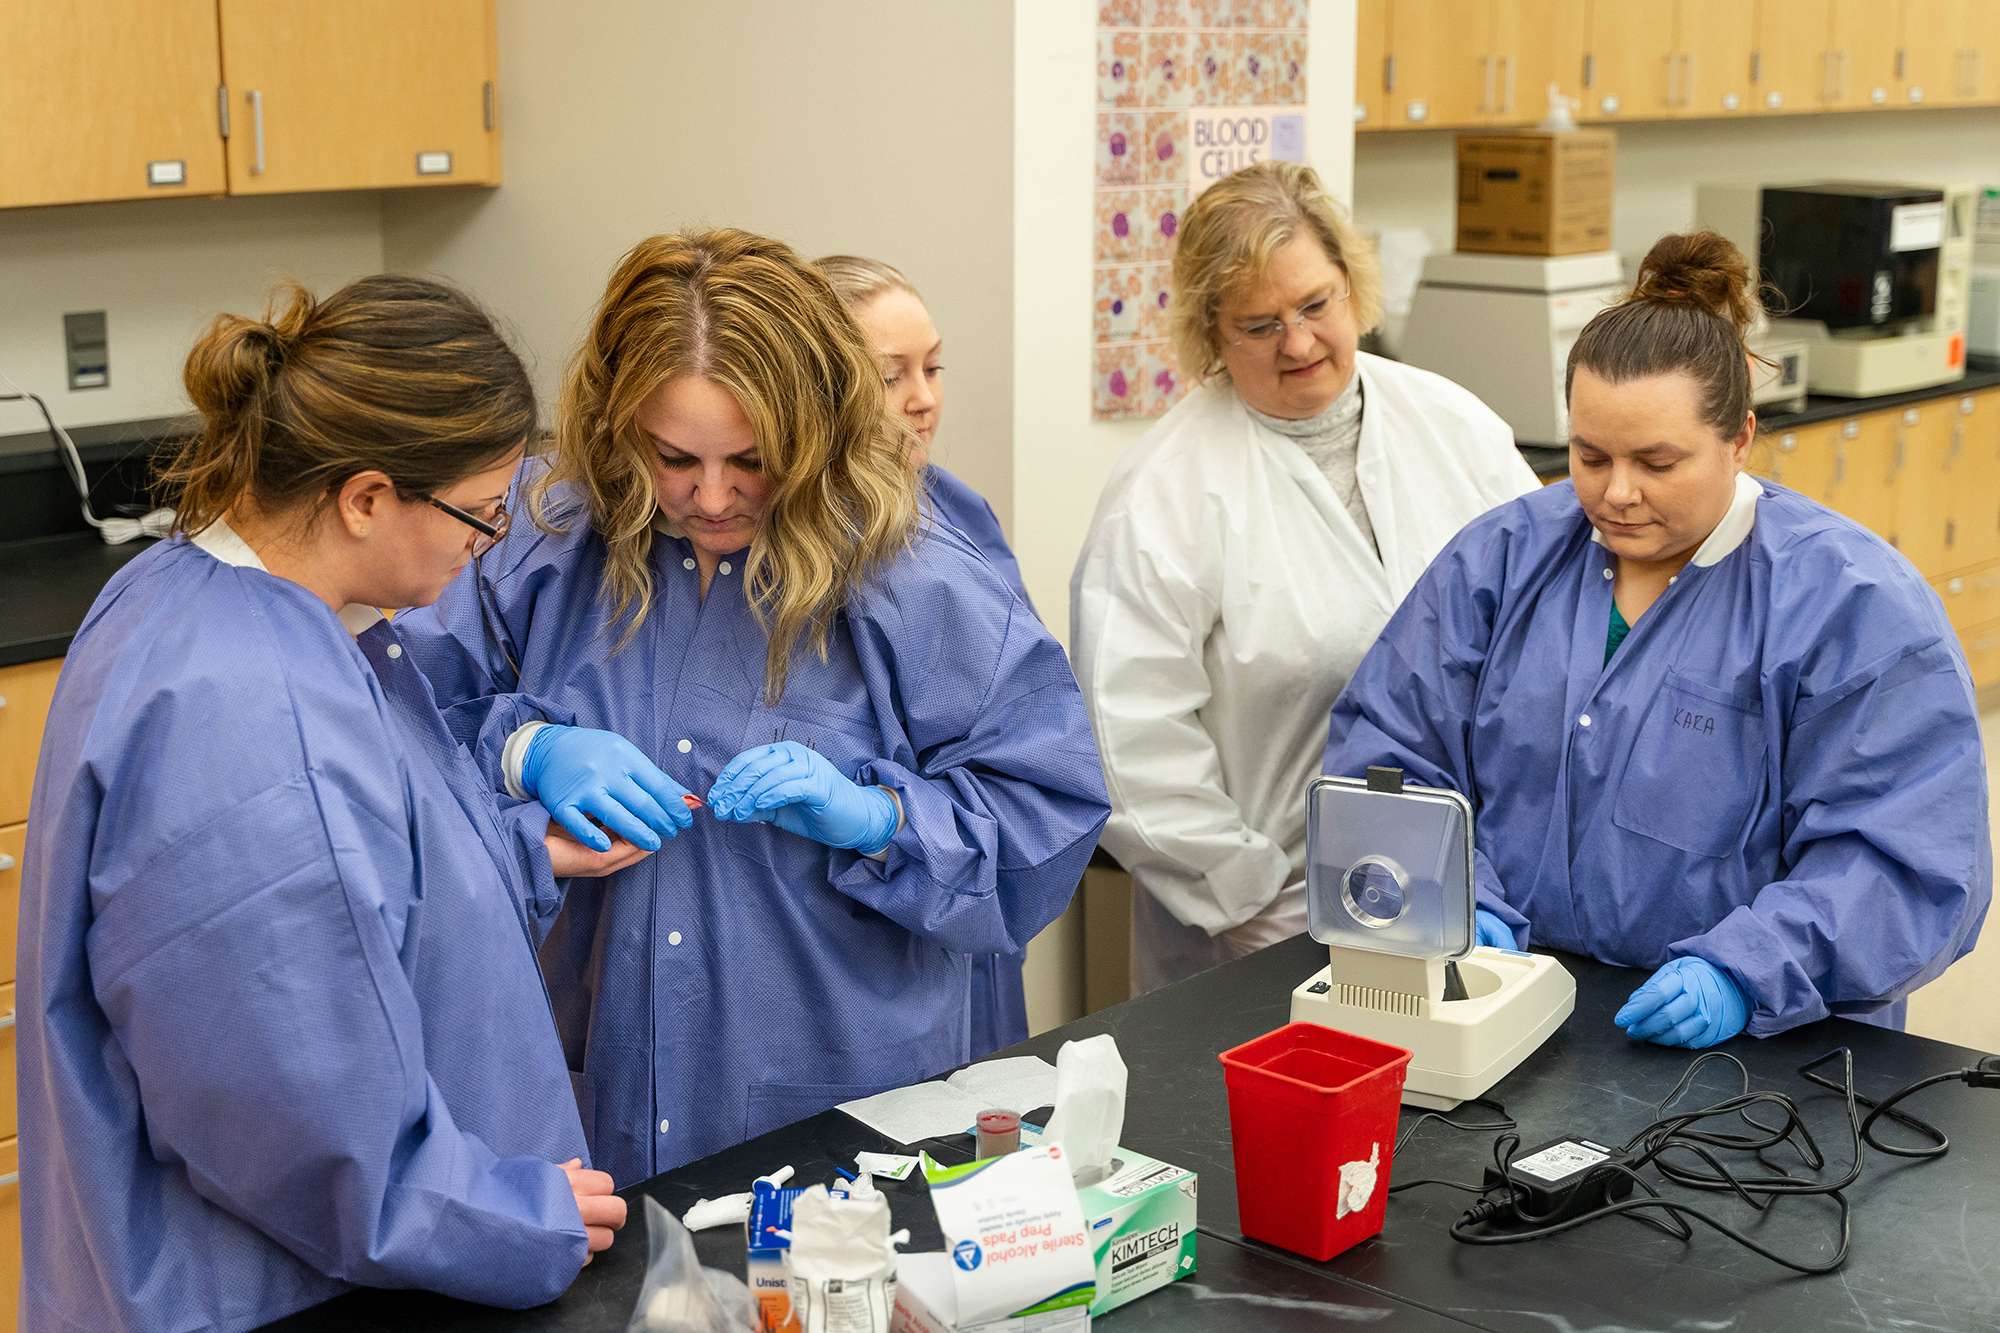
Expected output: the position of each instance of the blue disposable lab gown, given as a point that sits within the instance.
(280, 1025)
(999, 999)
(1779, 771)
(744, 977)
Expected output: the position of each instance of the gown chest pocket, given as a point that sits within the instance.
(1696, 770)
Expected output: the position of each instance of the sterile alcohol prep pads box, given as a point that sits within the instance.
(1141, 1223)
(1016, 1255)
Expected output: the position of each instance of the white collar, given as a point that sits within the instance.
(221, 541)
(1731, 532)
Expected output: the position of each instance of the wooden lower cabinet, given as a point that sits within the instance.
(1982, 653)
(10, 1232)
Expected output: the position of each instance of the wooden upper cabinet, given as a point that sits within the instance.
(1712, 45)
(358, 95)
(1790, 65)
(1538, 43)
(1629, 61)
(1859, 63)
(1445, 69)
(1371, 58)
(1982, 55)
(1935, 54)
(108, 99)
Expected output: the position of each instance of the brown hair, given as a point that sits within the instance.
(393, 374)
(747, 314)
(1688, 312)
(858, 280)
(1226, 242)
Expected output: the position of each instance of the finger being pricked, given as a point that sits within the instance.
(570, 859)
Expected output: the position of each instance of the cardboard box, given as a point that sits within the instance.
(1535, 193)
(764, 1265)
(927, 1302)
(1141, 1223)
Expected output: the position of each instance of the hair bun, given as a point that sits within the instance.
(233, 363)
(1701, 269)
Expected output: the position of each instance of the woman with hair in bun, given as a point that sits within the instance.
(909, 353)
(1709, 727)
(280, 1027)
(895, 763)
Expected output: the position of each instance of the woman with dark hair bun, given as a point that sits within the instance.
(281, 1028)
(1709, 726)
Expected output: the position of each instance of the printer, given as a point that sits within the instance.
(1873, 279)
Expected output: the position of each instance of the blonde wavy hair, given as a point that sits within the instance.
(1226, 242)
(747, 314)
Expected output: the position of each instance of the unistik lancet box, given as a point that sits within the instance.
(764, 1260)
(1141, 1224)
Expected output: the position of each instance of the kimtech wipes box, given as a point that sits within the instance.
(1141, 1224)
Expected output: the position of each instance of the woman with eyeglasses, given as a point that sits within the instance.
(1246, 553)
(281, 1028)
(729, 567)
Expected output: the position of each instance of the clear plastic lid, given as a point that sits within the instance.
(1389, 871)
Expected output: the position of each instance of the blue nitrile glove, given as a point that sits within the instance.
(1488, 928)
(1688, 1002)
(580, 774)
(798, 789)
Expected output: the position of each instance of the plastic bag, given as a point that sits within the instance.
(679, 1295)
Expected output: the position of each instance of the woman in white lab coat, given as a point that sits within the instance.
(1247, 551)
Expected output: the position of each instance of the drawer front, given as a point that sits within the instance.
(1971, 598)
(10, 1118)
(1982, 653)
(10, 1231)
(12, 839)
(25, 692)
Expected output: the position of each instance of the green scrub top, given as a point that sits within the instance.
(1615, 635)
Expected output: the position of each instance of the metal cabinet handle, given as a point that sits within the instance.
(257, 131)
(1507, 82)
(1486, 84)
(1687, 79)
(1841, 95)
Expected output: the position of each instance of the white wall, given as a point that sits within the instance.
(1407, 179)
(872, 126)
(160, 270)
(1061, 456)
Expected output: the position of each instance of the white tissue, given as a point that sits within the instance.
(846, 1239)
(722, 1212)
(1357, 1183)
(1090, 1104)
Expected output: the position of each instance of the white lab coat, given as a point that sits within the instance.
(1222, 600)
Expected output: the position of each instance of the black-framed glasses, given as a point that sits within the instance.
(489, 533)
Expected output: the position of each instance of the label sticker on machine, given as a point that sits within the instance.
(1562, 1160)
(1916, 227)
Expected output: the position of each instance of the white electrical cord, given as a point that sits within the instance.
(115, 531)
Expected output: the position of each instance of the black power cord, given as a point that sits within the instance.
(1570, 1183)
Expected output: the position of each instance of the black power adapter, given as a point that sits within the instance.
(1558, 1180)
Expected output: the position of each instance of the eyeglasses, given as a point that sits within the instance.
(1269, 330)
(489, 533)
